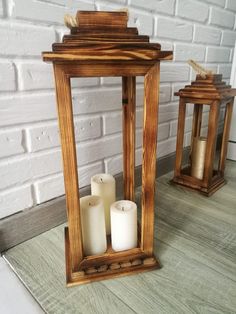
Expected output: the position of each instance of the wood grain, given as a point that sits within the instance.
(102, 18)
(180, 137)
(150, 119)
(225, 138)
(195, 240)
(66, 124)
(129, 127)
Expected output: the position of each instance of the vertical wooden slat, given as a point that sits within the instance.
(128, 101)
(151, 100)
(211, 143)
(225, 137)
(66, 124)
(180, 137)
(197, 120)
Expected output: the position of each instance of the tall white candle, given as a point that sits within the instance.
(123, 225)
(93, 225)
(198, 157)
(104, 185)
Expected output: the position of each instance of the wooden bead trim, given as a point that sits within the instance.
(115, 266)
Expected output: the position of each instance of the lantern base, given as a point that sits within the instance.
(109, 265)
(195, 184)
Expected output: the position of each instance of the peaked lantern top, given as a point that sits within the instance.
(210, 87)
(104, 36)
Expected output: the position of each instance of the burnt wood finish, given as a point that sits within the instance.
(214, 92)
(150, 118)
(65, 116)
(102, 45)
(128, 101)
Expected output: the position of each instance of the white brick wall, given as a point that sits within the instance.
(30, 155)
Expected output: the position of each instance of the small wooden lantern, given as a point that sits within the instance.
(103, 45)
(213, 92)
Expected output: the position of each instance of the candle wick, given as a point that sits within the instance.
(123, 208)
(101, 180)
(90, 204)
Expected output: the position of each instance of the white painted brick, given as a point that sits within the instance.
(19, 108)
(38, 11)
(118, 1)
(165, 45)
(171, 72)
(87, 152)
(43, 164)
(228, 38)
(15, 200)
(11, 143)
(176, 30)
(37, 75)
(220, 3)
(13, 172)
(166, 147)
(217, 54)
(77, 5)
(115, 80)
(113, 121)
(231, 5)
(47, 135)
(187, 127)
(114, 165)
(222, 17)
(168, 112)
(192, 10)
(28, 40)
(84, 82)
(51, 187)
(176, 87)
(7, 77)
(164, 6)
(1, 8)
(163, 131)
(143, 22)
(101, 100)
(225, 70)
(184, 52)
(207, 35)
(47, 12)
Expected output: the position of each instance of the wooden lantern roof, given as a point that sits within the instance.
(104, 37)
(210, 87)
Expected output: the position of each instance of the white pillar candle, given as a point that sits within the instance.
(93, 225)
(104, 185)
(198, 157)
(123, 225)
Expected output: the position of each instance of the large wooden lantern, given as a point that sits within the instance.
(208, 96)
(103, 45)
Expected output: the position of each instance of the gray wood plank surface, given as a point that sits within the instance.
(195, 239)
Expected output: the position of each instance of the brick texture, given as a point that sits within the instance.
(30, 154)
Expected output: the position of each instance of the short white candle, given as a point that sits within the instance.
(104, 185)
(123, 225)
(93, 225)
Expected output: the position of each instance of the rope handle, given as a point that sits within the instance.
(203, 72)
